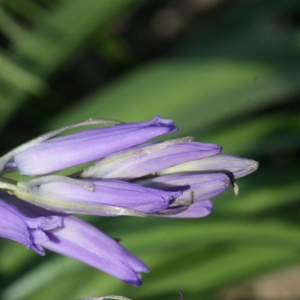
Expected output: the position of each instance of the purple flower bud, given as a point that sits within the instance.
(28, 231)
(203, 186)
(182, 177)
(88, 145)
(65, 234)
(199, 209)
(86, 243)
(102, 197)
(226, 163)
(149, 158)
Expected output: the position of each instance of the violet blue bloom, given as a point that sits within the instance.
(175, 178)
(68, 235)
(82, 241)
(232, 165)
(150, 158)
(197, 210)
(197, 189)
(88, 145)
(101, 197)
(25, 230)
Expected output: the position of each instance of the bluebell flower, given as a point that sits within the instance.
(197, 190)
(150, 158)
(14, 225)
(68, 235)
(94, 197)
(234, 166)
(43, 155)
(129, 175)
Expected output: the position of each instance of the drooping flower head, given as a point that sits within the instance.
(129, 175)
(68, 235)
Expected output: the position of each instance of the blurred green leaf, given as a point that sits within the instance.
(234, 83)
(51, 43)
(19, 78)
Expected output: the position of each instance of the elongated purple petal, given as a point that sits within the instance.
(226, 163)
(14, 225)
(88, 145)
(75, 238)
(68, 197)
(149, 158)
(82, 241)
(198, 209)
(198, 186)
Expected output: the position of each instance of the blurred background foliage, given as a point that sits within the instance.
(227, 72)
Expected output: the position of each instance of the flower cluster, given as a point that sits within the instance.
(129, 176)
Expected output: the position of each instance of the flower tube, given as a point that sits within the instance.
(232, 165)
(102, 197)
(88, 145)
(84, 242)
(197, 189)
(28, 231)
(196, 210)
(150, 158)
(67, 235)
(203, 186)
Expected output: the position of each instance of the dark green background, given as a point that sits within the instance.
(230, 76)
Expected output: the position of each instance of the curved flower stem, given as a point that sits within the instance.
(181, 295)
